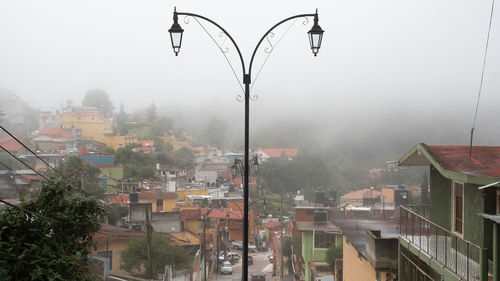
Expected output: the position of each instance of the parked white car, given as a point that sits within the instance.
(226, 268)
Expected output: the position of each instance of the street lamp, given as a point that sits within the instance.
(315, 37)
(176, 34)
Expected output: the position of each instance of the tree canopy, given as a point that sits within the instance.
(82, 176)
(100, 99)
(54, 244)
(135, 164)
(164, 252)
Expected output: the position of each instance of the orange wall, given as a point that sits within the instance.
(116, 246)
(356, 267)
(388, 194)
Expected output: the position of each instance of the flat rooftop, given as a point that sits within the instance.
(355, 230)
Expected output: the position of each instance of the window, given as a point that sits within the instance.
(323, 239)
(458, 207)
(107, 254)
(159, 205)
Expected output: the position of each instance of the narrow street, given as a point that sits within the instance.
(260, 264)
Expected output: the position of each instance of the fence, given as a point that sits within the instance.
(456, 254)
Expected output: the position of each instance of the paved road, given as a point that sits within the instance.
(260, 263)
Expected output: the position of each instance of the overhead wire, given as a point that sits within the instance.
(27, 211)
(24, 163)
(31, 151)
(482, 77)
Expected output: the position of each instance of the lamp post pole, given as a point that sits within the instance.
(315, 39)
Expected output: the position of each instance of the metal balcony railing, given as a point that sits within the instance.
(456, 254)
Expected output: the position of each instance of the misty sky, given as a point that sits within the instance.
(380, 60)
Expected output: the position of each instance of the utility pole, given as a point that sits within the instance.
(148, 241)
(281, 236)
(204, 245)
(218, 249)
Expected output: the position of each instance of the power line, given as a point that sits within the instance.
(27, 148)
(27, 211)
(24, 163)
(482, 76)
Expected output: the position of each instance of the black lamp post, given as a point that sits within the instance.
(315, 39)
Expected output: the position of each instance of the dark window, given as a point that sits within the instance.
(310, 212)
(159, 205)
(458, 201)
(107, 254)
(323, 240)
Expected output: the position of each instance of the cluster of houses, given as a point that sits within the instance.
(384, 237)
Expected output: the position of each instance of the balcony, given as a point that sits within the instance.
(457, 255)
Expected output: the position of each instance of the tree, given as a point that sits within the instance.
(152, 115)
(161, 125)
(54, 244)
(100, 99)
(164, 252)
(115, 212)
(135, 164)
(332, 254)
(215, 132)
(83, 177)
(184, 158)
(121, 119)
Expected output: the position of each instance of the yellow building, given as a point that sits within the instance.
(369, 256)
(160, 201)
(111, 241)
(91, 124)
(182, 194)
(176, 144)
(387, 194)
(116, 142)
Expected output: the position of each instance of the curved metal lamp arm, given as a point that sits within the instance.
(269, 31)
(223, 30)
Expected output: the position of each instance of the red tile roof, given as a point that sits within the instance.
(156, 195)
(485, 160)
(190, 214)
(277, 152)
(110, 232)
(10, 144)
(221, 214)
(55, 133)
(29, 178)
(360, 194)
(120, 199)
(272, 224)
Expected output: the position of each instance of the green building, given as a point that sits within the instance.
(113, 173)
(456, 237)
(318, 234)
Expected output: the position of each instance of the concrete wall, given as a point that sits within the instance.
(357, 268)
(381, 252)
(166, 222)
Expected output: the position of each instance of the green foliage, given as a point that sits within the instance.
(162, 146)
(36, 248)
(78, 172)
(121, 119)
(164, 252)
(214, 132)
(100, 99)
(151, 110)
(161, 125)
(303, 173)
(332, 254)
(115, 212)
(135, 164)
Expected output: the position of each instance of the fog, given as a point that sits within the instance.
(389, 73)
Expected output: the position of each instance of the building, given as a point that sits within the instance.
(457, 237)
(369, 249)
(362, 197)
(318, 234)
(266, 153)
